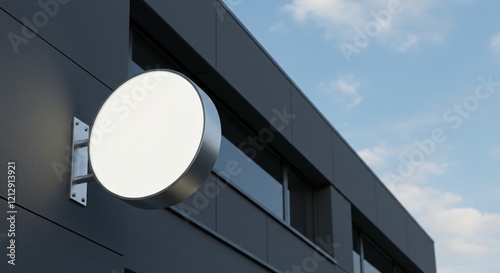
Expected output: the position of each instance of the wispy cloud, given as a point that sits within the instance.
(377, 157)
(386, 160)
(330, 15)
(401, 28)
(461, 232)
(279, 26)
(410, 42)
(343, 90)
(495, 151)
(495, 44)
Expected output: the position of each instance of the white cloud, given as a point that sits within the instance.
(428, 120)
(410, 42)
(495, 43)
(447, 270)
(465, 237)
(495, 151)
(433, 168)
(376, 157)
(344, 90)
(326, 13)
(279, 26)
(389, 161)
(412, 23)
(464, 232)
(460, 232)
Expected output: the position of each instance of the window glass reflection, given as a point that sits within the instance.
(246, 174)
(134, 69)
(356, 253)
(357, 262)
(369, 268)
(399, 270)
(375, 260)
(301, 205)
(148, 56)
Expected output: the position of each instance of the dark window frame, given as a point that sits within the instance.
(361, 238)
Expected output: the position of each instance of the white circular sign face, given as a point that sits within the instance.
(155, 139)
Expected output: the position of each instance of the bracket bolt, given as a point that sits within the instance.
(83, 200)
(77, 123)
(86, 129)
(73, 194)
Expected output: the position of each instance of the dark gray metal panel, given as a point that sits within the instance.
(324, 218)
(159, 241)
(193, 20)
(312, 135)
(289, 253)
(392, 218)
(354, 179)
(93, 35)
(342, 230)
(201, 206)
(41, 91)
(241, 221)
(42, 246)
(252, 73)
(339, 269)
(226, 94)
(382, 240)
(420, 247)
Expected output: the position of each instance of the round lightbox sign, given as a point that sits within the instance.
(155, 139)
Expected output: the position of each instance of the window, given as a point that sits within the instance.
(302, 207)
(247, 163)
(356, 252)
(375, 261)
(398, 270)
(145, 55)
(257, 173)
(244, 160)
(369, 258)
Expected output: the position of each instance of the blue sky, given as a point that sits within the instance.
(404, 82)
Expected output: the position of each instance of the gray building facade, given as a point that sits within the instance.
(287, 193)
